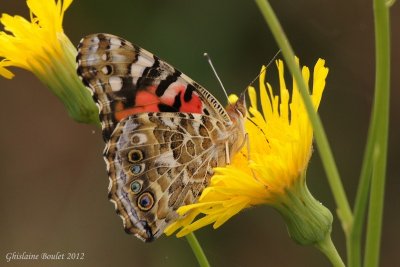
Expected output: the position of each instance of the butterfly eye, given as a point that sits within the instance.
(145, 201)
(136, 186)
(135, 139)
(135, 155)
(136, 169)
(138, 138)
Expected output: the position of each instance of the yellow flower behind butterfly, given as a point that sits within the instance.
(272, 172)
(41, 47)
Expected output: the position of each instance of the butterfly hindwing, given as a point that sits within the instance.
(170, 158)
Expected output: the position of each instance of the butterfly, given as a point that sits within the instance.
(164, 133)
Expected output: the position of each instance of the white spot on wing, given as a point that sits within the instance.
(91, 58)
(110, 183)
(93, 48)
(143, 61)
(115, 41)
(123, 220)
(107, 164)
(114, 202)
(166, 159)
(129, 127)
(168, 122)
(118, 58)
(99, 107)
(104, 70)
(137, 70)
(115, 83)
(134, 80)
(95, 40)
(173, 90)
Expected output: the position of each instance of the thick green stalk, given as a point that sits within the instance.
(381, 121)
(197, 250)
(328, 248)
(328, 161)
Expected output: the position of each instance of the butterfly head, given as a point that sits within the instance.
(240, 105)
(237, 111)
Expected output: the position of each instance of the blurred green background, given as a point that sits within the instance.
(53, 183)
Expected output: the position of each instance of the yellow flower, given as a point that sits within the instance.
(273, 170)
(41, 46)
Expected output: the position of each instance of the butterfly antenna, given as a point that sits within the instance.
(269, 63)
(215, 73)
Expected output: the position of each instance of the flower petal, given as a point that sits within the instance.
(5, 72)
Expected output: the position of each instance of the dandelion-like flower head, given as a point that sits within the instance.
(41, 47)
(280, 145)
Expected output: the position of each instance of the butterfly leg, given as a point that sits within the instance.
(245, 142)
(227, 154)
(246, 139)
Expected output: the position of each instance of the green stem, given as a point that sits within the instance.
(354, 242)
(197, 250)
(380, 118)
(328, 161)
(328, 248)
(360, 206)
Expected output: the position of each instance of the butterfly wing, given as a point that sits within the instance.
(158, 162)
(126, 79)
(164, 132)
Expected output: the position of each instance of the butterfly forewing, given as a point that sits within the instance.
(126, 79)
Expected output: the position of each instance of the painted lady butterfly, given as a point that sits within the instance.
(164, 132)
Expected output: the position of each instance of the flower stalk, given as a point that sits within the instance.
(380, 125)
(327, 247)
(197, 250)
(343, 207)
